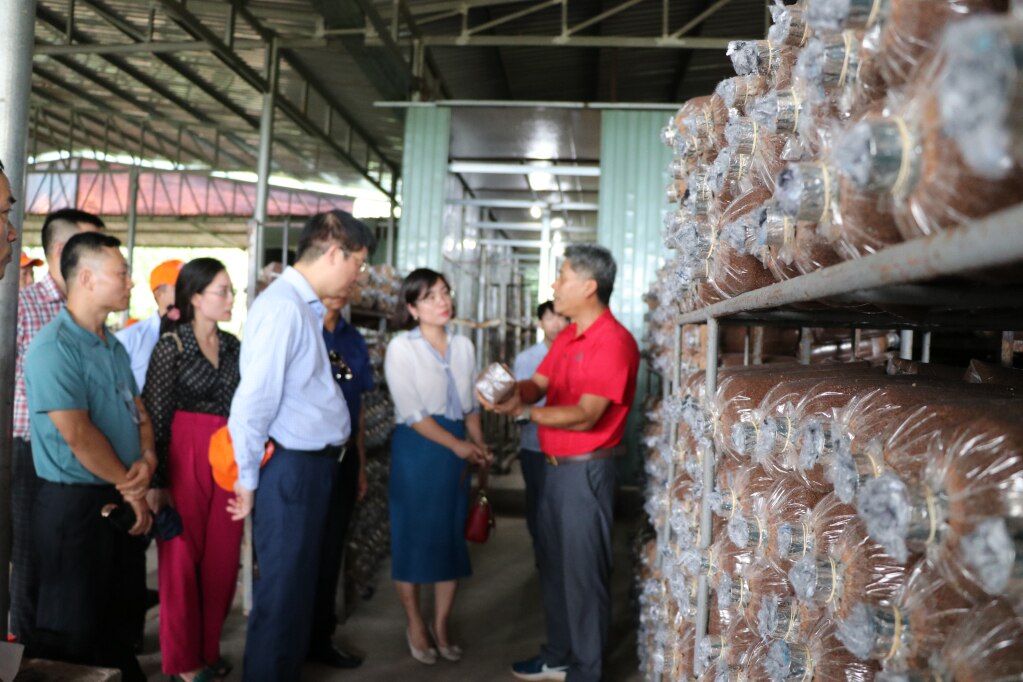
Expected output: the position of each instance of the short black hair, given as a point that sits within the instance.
(544, 308)
(83, 244)
(1, 166)
(337, 226)
(596, 263)
(69, 215)
(413, 288)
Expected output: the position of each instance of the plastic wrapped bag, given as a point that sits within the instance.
(823, 70)
(980, 90)
(833, 16)
(766, 150)
(738, 484)
(913, 28)
(857, 570)
(766, 610)
(985, 647)
(789, 26)
(728, 650)
(730, 272)
(789, 404)
(753, 526)
(980, 372)
(975, 477)
(779, 111)
(916, 625)
(992, 557)
(739, 92)
(914, 171)
(814, 534)
(821, 658)
(880, 412)
(908, 445)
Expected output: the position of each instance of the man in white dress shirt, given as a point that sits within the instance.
(140, 338)
(530, 457)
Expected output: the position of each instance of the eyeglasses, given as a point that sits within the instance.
(363, 266)
(222, 293)
(342, 372)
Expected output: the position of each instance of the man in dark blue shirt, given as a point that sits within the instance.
(349, 361)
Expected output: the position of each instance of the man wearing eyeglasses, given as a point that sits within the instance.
(288, 394)
(349, 361)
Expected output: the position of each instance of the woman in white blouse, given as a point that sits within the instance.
(430, 375)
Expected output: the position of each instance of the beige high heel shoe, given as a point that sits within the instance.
(427, 657)
(452, 652)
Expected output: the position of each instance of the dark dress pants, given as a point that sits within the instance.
(335, 536)
(533, 469)
(24, 561)
(575, 517)
(90, 576)
(287, 529)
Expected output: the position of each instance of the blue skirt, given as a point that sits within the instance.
(429, 502)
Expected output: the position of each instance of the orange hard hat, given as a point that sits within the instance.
(225, 470)
(27, 262)
(165, 273)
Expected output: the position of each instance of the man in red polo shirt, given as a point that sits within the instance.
(589, 379)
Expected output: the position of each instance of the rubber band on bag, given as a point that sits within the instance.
(847, 39)
(875, 9)
(834, 582)
(904, 161)
(827, 192)
(897, 636)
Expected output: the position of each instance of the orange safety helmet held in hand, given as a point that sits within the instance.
(225, 470)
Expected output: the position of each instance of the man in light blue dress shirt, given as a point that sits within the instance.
(530, 456)
(140, 338)
(288, 395)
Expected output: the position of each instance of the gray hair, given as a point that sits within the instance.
(596, 263)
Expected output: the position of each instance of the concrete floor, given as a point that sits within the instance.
(497, 620)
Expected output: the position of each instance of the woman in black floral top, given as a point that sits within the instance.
(191, 379)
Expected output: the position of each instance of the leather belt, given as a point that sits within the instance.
(335, 452)
(603, 453)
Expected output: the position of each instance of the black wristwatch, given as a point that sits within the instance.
(524, 418)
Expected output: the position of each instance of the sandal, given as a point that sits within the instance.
(222, 667)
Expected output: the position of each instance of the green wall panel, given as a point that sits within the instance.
(424, 174)
(633, 175)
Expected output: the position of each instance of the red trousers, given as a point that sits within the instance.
(198, 570)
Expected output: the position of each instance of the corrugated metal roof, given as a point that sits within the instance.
(189, 107)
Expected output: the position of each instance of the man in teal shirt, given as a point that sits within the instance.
(93, 449)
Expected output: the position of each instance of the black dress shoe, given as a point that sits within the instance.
(334, 657)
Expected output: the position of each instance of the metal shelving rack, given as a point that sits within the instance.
(907, 275)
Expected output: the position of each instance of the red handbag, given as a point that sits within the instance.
(480, 522)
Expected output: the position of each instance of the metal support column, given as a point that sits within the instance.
(805, 337)
(133, 215)
(15, 86)
(266, 132)
(906, 344)
(546, 268)
(133, 199)
(256, 228)
(676, 380)
(391, 222)
(703, 588)
(1008, 348)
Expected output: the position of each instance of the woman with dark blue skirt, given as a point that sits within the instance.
(430, 375)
